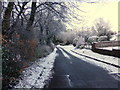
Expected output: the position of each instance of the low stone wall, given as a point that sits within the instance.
(107, 44)
(113, 52)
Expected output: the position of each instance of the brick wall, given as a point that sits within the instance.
(107, 44)
(114, 52)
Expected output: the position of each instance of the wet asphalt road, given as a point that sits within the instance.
(76, 73)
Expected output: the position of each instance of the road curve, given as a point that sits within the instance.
(75, 73)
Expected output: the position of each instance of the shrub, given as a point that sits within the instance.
(92, 39)
(16, 56)
(43, 50)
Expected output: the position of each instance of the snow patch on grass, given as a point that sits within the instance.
(38, 73)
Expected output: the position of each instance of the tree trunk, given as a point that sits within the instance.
(0, 17)
(6, 20)
(32, 16)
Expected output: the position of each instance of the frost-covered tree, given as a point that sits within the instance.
(66, 37)
(103, 28)
(19, 33)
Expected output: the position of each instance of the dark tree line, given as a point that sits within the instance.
(25, 27)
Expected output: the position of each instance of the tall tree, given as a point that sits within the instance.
(103, 28)
(32, 16)
(6, 20)
(0, 17)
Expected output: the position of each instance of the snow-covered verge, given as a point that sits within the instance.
(86, 52)
(38, 73)
(106, 58)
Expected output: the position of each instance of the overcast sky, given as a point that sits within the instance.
(106, 10)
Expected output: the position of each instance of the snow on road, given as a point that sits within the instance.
(38, 73)
(87, 52)
(65, 54)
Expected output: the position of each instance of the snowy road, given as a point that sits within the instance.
(74, 71)
(71, 70)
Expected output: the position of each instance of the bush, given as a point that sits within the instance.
(66, 37)
(16, 56)
(43, 50)
(92, 39)
(75, 41)
(26, 48)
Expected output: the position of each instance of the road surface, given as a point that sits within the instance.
(72, 72)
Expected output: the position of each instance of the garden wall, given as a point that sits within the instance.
(114, 52)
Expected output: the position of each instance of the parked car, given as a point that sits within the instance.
(103, 38)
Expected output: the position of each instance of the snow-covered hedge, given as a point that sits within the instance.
(75, 41)
(43, 50)
(92, 39)
(80, 42)
(66, 37)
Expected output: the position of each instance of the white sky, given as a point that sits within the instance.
(107, 10)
